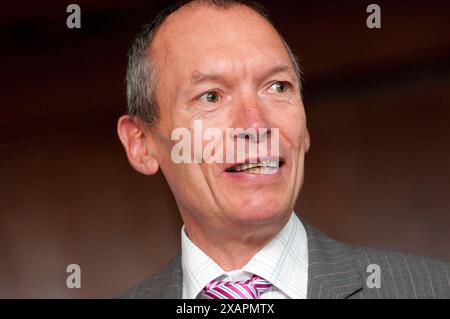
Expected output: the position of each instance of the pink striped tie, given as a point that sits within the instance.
(248, 289)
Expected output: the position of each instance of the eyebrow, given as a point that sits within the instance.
(198, 77)
(277, 69)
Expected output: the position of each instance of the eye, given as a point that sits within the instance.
(279, 87)
(209, 97)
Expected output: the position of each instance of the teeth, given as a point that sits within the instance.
(262, 167)
(262, 170)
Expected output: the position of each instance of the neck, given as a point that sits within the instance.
(227, 246)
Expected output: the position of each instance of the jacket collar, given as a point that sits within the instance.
(333, 272)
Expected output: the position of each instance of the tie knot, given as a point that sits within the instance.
(245, 289)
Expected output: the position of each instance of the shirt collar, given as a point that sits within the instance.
(283, 261)
(198, 268)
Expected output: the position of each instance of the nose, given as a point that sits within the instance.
(250, 115)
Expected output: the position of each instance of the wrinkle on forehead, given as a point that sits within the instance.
(207, 26)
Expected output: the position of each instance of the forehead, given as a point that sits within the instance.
(198, 37)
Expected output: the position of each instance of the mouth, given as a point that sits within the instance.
(261, 166)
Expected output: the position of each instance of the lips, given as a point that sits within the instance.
(258, 166)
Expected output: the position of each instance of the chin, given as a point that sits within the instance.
(260, 211)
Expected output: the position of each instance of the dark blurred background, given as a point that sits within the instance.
(378, 172)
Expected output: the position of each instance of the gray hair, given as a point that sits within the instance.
(141, 73)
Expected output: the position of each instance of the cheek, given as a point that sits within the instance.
(292, 125)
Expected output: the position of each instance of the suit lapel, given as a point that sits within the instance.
(333, 273)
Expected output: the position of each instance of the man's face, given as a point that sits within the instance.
(229, 69)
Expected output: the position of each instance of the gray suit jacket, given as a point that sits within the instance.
(336, 270)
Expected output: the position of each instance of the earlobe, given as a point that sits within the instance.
(137, 145)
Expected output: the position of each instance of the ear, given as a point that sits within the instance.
(307, 141)
(138, 144)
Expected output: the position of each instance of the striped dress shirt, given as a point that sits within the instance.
(283, 262)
